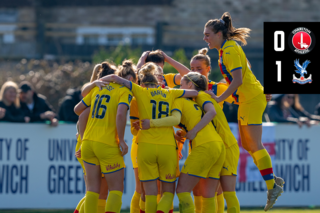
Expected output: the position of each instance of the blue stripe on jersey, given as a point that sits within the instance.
(132, 117)
(227, 47)
(205, 103)
(124, 103)
(215, 89)
(183, 126)
(223, 43)
(236, 69)
(229, 78)
(182, 94)
(84, 103)
(176, 110)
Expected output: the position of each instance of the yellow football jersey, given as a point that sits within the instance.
(191, 115)
(155, 103)
(101, 125)
(231, 58)
(134, 116)
(169, 80)
(220, 121)
(218, 89)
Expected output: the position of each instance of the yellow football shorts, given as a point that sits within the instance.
(79, 142)
(231, 162)
(134, 153)
(108, 157)
(157, 162)
(206, 160)
(250, 112)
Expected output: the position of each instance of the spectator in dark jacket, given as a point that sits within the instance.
(9, 104)
(35, 105)
(66, 111)
(279, 111)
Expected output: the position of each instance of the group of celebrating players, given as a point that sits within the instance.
(210, 169)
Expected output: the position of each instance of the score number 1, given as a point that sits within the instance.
(278, 49)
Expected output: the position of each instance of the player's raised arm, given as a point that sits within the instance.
(183, 70)
(142, 59)
(118, 80)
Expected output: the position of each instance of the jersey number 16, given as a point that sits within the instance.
(95, 111)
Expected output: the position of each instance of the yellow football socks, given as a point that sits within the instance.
(198, 203)
(165, 203)
(185, 202)
(254, 159)
(151, 203)
(216, 201)
(101, 205)
(265, 166)
(220, 204)
(91, 202)
(142, 205)
(114, 201)
(77, 210)
(134, 206)
(233, 204)
(208, 205)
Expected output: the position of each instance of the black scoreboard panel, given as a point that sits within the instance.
(292, 58)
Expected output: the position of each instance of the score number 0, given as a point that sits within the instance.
(278, 49)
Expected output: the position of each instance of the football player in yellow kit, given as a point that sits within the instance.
(208, 151)
(169, 80)
(157, 157)
(81, 126)
(100, 149)
(245, 89)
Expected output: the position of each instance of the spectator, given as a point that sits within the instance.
(308, 118)
(35, 105)
(280, 111)
(9, 104)
(66, 112)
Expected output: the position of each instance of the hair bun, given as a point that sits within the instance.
(148, 69)
(203, 51)
(127, 63)
(226, 17)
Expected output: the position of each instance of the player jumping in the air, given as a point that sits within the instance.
(247, 90)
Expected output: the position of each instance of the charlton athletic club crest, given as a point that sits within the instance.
(301, 40)
(302, 70)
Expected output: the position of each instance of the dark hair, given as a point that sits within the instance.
(198, 80)
(228, 31)
(202, 55)
(155, 57)
(127, 68)
(146, 74)
(106, 69)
